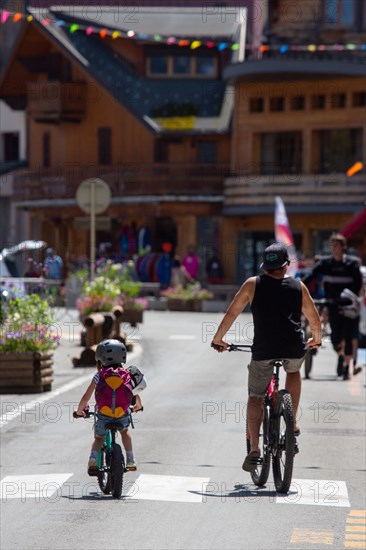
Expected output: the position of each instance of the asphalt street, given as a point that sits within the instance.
(189, 491)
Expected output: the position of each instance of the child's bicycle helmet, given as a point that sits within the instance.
(110, 352)
(352, 309)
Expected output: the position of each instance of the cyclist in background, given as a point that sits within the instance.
(340, 271)
(277, 301)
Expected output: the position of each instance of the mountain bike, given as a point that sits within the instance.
(111, 461)
(277, 437)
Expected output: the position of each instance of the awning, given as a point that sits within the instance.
(354, 225)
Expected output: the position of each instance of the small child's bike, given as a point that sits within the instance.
(111, 462)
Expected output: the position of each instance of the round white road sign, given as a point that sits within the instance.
(102, 195)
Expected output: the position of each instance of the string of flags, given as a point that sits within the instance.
(175, 40)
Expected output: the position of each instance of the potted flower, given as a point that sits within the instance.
(111, 298)
(26, 345)
(133, 305)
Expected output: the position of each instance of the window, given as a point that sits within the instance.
(207, 152)
(281, 153)
(338, 101)
(359, 99)
(159, 64)
(297, 103)
(205, 65)
(318, 102)
(339, 149)
(256, 105)
(276, 104)
(181, 64)
(104, 146)
(11, 146)
(340, 12)
(46, 146)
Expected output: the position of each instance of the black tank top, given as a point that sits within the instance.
(276, 310)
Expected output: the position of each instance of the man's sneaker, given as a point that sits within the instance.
(251, 461)
(131, 465)
(340, 365)
(357, 370)
(92, 467)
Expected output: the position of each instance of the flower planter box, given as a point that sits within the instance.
(132, 316)
(28, 372)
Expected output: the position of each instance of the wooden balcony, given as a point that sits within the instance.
(300, 193)
(128, 179)
(55, 102)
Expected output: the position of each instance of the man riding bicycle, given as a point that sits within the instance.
(277, 302)
(340, 272)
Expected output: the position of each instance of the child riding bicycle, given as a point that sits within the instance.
(116, 389)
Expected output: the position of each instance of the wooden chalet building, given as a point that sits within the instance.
(299, 124)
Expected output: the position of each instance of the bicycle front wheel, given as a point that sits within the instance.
(117, 470)
(284, 446)
(261, 473)
(104, 474)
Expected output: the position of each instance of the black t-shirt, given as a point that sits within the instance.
(337, 275)
(276, 310)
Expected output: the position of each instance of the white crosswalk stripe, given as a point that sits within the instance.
(318, 492)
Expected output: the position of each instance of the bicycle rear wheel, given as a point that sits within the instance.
(104, 474)
(284, 447)
(117, 470)
(261, 473)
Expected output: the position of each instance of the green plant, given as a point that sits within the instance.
(27, 325)
(101, 294)
(112, 286)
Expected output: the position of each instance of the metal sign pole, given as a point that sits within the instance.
(93, 197)
(92, 230)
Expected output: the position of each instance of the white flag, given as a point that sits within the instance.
(283, 235)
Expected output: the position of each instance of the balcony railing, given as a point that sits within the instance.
(59, 182)
(301, 190)
(56, 101)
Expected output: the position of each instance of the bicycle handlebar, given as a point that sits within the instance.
(239, 347)
(232, 347)
(88, 413)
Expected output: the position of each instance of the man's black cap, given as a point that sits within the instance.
(275, 256)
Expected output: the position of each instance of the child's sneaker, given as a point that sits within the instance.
(92, 467)
(131, 465)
